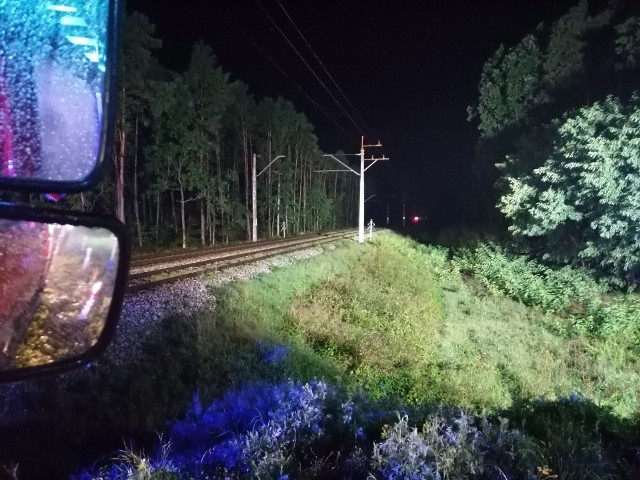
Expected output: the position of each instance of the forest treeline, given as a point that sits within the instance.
(180, 167)
(559, 149)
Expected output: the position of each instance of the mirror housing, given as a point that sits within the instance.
(58, 82)
(74, 241)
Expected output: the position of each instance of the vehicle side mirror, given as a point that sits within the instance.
(62, 278)
(58, 65)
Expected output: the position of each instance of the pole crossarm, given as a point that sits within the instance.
(371, 165)
(342, 163)
(263, 170)
(374, 160)
(327, 171)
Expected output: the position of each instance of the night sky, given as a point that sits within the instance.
(409, 68)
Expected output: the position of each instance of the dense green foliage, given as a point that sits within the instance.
(509, 86)
(585, 191)
(558, 117)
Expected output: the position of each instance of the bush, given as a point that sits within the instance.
(313, 430)
(255, 431)
(452, 446)
(528, 281)
(569, 292)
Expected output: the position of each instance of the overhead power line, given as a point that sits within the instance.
(369, 130)
(360, 129)
(295, 84)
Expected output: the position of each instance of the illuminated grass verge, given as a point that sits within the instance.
(398, 321)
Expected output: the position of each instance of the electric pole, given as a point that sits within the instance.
(254, 194)
(254, 201)
(361, 175)
(361, 209)
(278, 207)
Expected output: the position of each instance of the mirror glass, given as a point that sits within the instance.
(56, 286)
(52, 79)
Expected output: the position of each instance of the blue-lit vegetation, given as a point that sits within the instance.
(312, 430)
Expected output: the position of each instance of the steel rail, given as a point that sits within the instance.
(234, 260)
(152, 258)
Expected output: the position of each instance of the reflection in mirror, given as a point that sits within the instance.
(52, 72)
(56, 286)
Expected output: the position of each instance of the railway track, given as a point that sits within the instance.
(181, 254)
(151, 270)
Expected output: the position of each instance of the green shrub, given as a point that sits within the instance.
(572, 294)
(528, 281)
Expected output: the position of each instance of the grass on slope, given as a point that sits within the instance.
(397, 319)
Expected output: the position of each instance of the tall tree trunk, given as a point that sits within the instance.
(286, 221)
(214, 225)
(304, 199)
(173, 211)
(209, 230)
(118, 160)
(182, 216)
(148, 220)
(157, 217)
(219, 173)
(203, 220)
(146, 208)
(299, 222)
(203, 225)
(246, 153)
(135, 183)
